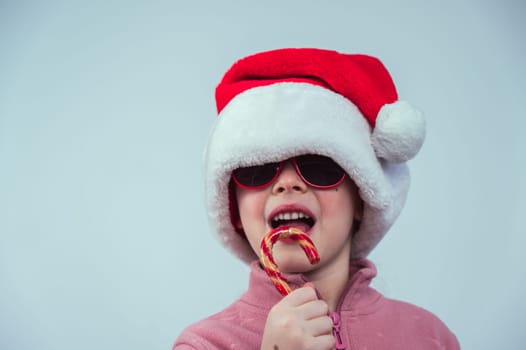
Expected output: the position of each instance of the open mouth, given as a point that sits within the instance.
(296, 219)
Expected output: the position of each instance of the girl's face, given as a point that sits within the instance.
(326, 215)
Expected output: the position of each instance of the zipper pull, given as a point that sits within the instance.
(336, 330)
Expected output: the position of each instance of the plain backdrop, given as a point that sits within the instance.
(105, 108)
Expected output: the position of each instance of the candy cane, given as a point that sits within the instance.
(266, 258)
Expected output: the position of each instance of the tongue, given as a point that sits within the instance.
(300, 225)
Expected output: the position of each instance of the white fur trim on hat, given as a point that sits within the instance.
(278, 121)
(399, 132)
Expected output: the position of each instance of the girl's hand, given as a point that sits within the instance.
(299, 321)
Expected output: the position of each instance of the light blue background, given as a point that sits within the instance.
(105, 107)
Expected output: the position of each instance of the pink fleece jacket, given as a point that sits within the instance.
(364, 319)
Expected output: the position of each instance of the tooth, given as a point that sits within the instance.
(290, 216)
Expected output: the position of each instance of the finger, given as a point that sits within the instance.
(313, 309)
(319, 326)
(300, 296)
(324, 342)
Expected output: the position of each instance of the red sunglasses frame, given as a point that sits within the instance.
(278, 172)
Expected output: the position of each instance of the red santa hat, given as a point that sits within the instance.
(277, 104)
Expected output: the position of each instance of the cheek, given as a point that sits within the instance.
(250, 205)
(337, 208)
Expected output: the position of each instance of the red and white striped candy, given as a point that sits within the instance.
(267, 260)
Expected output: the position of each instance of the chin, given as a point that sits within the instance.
(292, 261)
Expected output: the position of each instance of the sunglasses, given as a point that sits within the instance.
(316, 171)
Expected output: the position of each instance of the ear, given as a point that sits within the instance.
(358, 215)
(358, 209)
(235, 219)
(237, 224)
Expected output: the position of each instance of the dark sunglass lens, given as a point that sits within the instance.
(319, 170)
(254, 176)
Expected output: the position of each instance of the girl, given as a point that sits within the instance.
(317, 140)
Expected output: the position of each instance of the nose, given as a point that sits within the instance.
(288, 180)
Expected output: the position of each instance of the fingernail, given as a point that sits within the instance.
(309, 284)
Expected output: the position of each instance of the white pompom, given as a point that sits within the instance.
(399, 132)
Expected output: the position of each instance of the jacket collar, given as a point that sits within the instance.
(358, 296)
